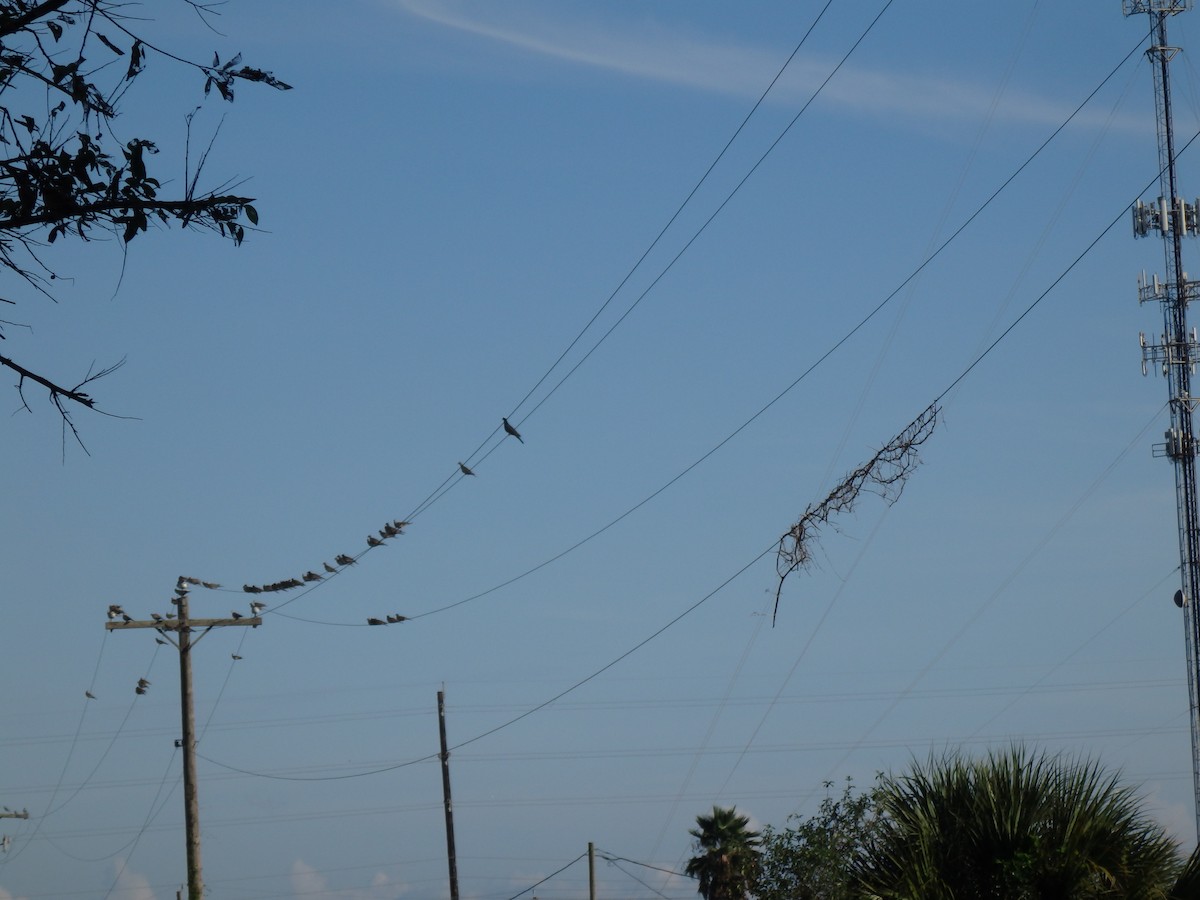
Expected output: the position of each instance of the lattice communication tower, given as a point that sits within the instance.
(1173, 218)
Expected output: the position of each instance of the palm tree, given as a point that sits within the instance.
(1014, 826)
(726, 854)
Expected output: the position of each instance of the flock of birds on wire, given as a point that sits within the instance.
(392, 529)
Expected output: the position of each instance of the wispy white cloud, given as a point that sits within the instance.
(655, 52)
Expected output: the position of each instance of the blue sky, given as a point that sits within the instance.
(448, 196)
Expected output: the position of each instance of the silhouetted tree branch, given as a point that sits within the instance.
(64, 173)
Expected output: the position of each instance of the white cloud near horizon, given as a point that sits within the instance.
(655, 53)
(130, 885)
(310, 884)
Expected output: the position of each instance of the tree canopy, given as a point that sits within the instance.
(726, 854)
(1011, 825)
(65, 66)
(813, 858)
(1014, 824)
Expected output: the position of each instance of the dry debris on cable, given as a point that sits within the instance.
(884, 474)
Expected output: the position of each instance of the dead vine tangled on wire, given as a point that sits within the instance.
(883, 474)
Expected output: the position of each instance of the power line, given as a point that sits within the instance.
(829, 352)
(548, 877)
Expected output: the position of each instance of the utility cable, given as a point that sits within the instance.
(773, 546)
(453, 479)
(999, 590)
(433, 497)
(864, 393)
(74, 741)
(1013, 701)
(616, 865)
(719, 209)
(862, 323)
(548, 877)
(612, 857)
(151, 815)
(527, 713)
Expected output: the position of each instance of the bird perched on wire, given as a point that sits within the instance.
(392, 620)
(508, 429)
(89, 695)
(330, 569)
(343, 560)
(374, 621)
(465, 470)
(373, 541)
(312, 576)
(256, 607)
(235, 656)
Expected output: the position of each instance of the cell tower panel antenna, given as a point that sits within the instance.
(1170, 7)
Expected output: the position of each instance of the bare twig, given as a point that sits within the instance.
(884, 474)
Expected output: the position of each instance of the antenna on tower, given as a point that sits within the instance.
(1172, 219)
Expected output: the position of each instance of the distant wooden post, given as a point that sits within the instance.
(445, 757)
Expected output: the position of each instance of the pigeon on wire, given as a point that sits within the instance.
(465, 470)
(508, 429)
(374, 621)
(343, 560)
(89, 695)
(373, 541)
(330, 569)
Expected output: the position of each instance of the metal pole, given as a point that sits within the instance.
(591, 870)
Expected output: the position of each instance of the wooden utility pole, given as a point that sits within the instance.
(445, 757)
(182, 625)
(591, 870)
